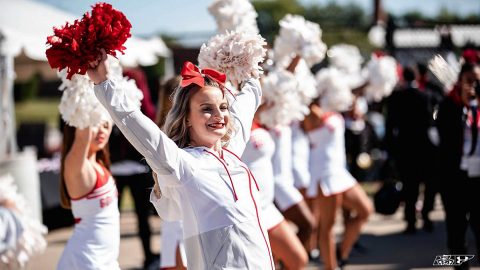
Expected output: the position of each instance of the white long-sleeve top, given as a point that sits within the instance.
(258, 156)
(215, 196)
(300, 156)
(328, 164)
(286, 195)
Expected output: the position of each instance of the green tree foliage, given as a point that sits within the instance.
(271, 11)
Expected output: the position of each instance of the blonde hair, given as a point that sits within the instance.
(175, 126)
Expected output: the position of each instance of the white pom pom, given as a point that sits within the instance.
(334, 90)
(80, 108)
(31, 233)
(346, 58)
(237, 15)
(383, 77)
(281, 92)
(307, 85)
(301, 37)
(237, 54)
(445, 73)
(376, 35)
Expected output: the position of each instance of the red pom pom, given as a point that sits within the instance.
(75, 45)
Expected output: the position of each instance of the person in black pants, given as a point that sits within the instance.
(458, 124)
(407, 142)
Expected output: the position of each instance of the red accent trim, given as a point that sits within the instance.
(248, 170)
(229, 176)
(258, 219)
(256, 125)
(102, 179)
(77, 220)
(98, 195)
(99, 178)
(250, 176)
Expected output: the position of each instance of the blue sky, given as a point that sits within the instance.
(189, 16)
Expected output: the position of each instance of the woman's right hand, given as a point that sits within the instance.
(97, 69)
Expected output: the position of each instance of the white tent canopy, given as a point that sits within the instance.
(25, 24)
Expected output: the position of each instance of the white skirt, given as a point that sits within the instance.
(286, 196)
(271, 217)
(331, 184)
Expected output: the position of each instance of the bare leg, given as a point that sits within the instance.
(286, 247)
(314, 205)
(328, 208)
(357, 201)
(303, 218)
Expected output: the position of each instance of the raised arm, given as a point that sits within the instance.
(242, 109)
(161, 153)
(78, 173)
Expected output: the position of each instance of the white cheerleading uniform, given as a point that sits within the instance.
(286, 195)
(215, 196)
(300, 156)
(258, 156)
(328, 166)
(171, 239)
(95, 241)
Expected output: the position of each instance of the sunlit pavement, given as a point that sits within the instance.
(387, 247)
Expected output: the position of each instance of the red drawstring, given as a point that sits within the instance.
(228, 173)
(249, 173)
(247, 169)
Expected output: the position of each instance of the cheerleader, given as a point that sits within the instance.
(258, 156)
(332, 185)
(90, 191)
(202, 180)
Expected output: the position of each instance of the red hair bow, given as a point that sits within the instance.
(192, 74)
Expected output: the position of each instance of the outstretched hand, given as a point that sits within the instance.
(97, 69)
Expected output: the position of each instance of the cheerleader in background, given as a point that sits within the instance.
(258, 154)
(173, 250)
(332, 186)
(88, 188)
(281, 88)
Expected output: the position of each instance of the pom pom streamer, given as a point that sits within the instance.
(287, 96)
(301, 37)
(237, 15)
(75, 45)
(237, 54)
(29, 233)
(346, 58)
(80, 108)
(382, 77)
(334, 90)
(445, 73)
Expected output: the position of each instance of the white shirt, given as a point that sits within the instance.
(286, 195)
(328, 163)
(300, 156)
(216, 197)
(258, 156)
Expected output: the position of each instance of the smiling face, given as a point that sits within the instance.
(209, 117)
(100, 136)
